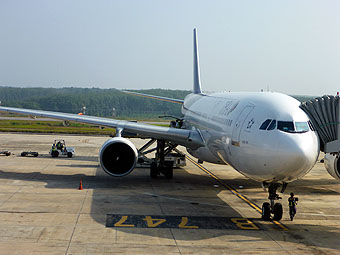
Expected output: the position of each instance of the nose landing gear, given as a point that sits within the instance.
(272, 207)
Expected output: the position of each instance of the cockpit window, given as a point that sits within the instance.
(287, 126)
(272, 125)
(265, 124)
(301, 127)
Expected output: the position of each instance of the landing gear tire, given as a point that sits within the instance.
(153, 170)
(277, 211)
(266, 211)
(168, 172)
(69, 154)
(168, 169)
(274, 208)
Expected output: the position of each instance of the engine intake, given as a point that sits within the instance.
(118, 156)
(332, 164)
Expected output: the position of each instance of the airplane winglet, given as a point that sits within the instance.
(197, 79)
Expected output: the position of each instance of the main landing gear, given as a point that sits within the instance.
(272, 207)
(161, 163)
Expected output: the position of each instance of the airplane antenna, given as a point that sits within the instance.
(197, 78)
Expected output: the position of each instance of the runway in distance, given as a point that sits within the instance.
(265, 136)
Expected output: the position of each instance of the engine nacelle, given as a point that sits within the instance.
(332, 164)
(118, 156)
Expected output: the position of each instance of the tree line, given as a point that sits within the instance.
(98, 102)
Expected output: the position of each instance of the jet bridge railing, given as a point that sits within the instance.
(324, 115)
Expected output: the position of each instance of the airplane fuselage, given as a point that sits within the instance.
(265, 136)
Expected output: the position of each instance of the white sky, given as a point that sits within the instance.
(290, 46)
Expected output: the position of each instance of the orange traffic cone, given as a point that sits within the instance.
(80, 185)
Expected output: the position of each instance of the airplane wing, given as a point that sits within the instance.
(166, 99)
(188, 138)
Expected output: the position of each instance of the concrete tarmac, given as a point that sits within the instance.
(43, 212)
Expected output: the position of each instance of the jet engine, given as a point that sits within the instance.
(118, 156)
(332, 164)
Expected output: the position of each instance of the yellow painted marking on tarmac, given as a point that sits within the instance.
(280, 225)
(245, 224)
(234, 191)
(161, 99)
(121, 221)
(184, 223)
(226, 186)
(152, 223)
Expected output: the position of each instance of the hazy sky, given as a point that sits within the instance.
(289, 46)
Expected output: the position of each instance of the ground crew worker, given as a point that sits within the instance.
(292, 202)
(59, 145)
(54, 149)
(177, 124)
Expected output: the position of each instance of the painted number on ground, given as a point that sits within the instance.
(183, 222)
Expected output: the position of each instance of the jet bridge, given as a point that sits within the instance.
(324, 115)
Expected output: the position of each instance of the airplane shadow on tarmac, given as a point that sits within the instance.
(185, 195)
(194, 195)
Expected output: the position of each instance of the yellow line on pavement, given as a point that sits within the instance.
(234, 191)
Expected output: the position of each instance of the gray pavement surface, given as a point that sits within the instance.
(43, 212)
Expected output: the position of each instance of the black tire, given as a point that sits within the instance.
(35, 154)
(69, 154)
(278, 211)
(23, 154)
(168, 172)
(153, 170)
(7, 153)
(266, 211)
(54, 154)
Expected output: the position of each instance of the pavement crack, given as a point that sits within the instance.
(11, 197)
(75, 225)
(157, 197)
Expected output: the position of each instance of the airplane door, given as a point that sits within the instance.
(239, 124)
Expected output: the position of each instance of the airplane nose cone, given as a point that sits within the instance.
(297, 153)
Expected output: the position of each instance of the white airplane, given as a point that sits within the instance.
(265, 136)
